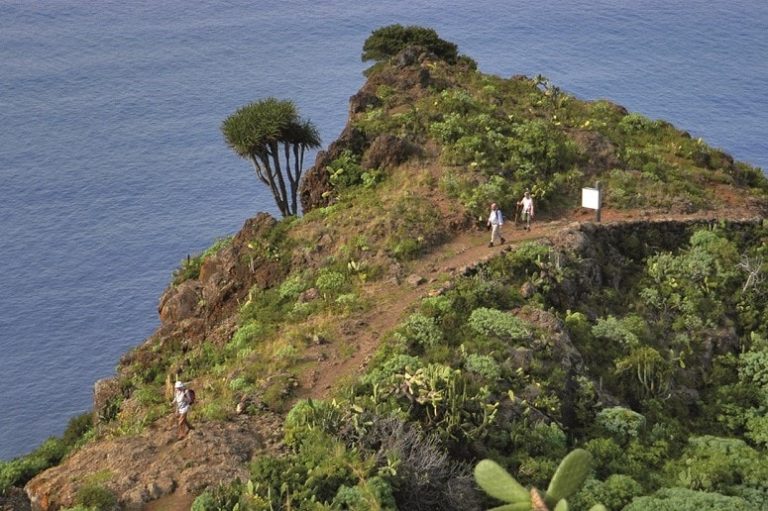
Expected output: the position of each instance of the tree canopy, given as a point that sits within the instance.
(256, 132)
(386, 42)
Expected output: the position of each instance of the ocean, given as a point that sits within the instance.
(113, 167)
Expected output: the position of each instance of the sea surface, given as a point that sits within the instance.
(113, 167)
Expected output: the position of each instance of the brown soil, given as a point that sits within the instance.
(362, 336)
(202, 459)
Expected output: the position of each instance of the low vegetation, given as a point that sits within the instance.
(644, 356)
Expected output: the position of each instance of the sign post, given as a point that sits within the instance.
(592, 198)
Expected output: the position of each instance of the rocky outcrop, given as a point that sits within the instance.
(387, 151)
(138, 469)
(316, 182)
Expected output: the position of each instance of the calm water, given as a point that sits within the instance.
(113, 169)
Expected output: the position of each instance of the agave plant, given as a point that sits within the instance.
(568, 478)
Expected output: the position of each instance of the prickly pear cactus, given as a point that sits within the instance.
(499, 484)
(569, 476)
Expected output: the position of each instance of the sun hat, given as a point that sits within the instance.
(179, 385)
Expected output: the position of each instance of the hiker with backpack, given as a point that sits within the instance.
(495, 221)
(183, 399)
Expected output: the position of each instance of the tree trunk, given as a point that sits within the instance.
(274, 149)
(269, 174)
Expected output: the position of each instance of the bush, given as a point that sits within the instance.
(753, 368)
(426, 477)
(621, 423)
(715, 464)
(77, 428)
(221, 498)
(635, 123)
(345, 171)
(18, 471)
(614, 493)
(395, 364)
(330, 283)
(421, 331)
(96, 497)
(386, 42)
(308, 415)
(483, 365)
(680, 499)
(373, 493)
(493, 322)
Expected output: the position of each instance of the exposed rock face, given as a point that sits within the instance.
(154, 464)
(600, 152)
(104, 392)
(180, 302)
(14, 500)
(387, 151)
(316, 181)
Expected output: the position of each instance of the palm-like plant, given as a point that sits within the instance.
(256, 132)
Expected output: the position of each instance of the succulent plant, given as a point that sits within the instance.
(568, 478)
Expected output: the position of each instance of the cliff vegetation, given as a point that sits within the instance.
(368, 354)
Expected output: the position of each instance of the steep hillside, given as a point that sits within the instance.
(365, 355)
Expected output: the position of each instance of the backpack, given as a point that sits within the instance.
(190, 396)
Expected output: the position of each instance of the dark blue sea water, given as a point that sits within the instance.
(113, 169)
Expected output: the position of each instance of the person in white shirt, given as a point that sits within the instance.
(527, 213)
(182, 401)
(495, 221)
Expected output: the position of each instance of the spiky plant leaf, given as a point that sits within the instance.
(499, 484)
(570, 475)
(562, 505)
(598, 507)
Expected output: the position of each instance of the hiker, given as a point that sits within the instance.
(182, 400)
(495, 221)
(527, 213)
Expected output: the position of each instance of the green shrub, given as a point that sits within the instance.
(308, 415)
(18, 471)
(614, 493)
(493, 322)
(406, 249)
(715, 464)
(247, 335)
(330, 283)
(483, 365)
(397, 364)
(96, 497)
(291, 287)
(635, 123)
(681, 499)
(753, 368)
(620, 331)
(386, 42)
(345, 171)
(373, 493)
(77, 427)
(621, 423)
(421, 331)
(538, 439)
(221, 498)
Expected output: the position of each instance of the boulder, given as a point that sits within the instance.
(180, 302)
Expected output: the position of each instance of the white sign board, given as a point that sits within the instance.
(590, 198)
